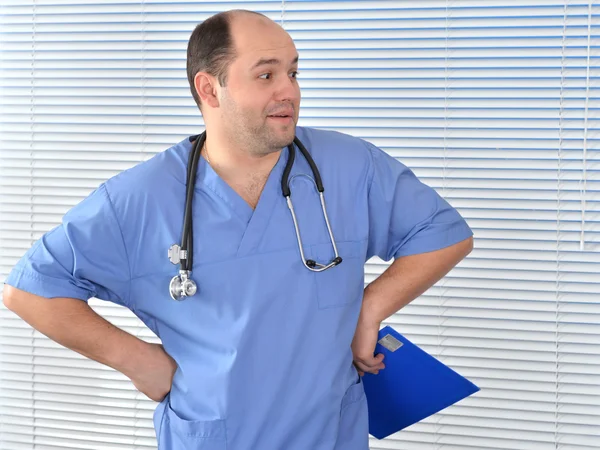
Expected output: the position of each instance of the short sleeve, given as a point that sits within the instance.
(83, 257)
(406, 216)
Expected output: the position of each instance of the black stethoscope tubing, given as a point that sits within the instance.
(182, 285)
(192, 166)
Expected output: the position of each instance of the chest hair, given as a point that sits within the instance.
(251, 187)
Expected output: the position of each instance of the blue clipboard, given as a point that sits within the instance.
(414, 385)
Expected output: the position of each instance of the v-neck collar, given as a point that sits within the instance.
(255, 220)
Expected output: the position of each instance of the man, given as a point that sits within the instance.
(268, 354)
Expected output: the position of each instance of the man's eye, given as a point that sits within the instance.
(268, 76)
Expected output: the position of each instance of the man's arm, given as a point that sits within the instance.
(407, 278)
(402, 282)
(73, 324)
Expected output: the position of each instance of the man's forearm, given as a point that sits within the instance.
(73, 324)
(407, 278)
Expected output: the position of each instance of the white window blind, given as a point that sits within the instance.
(493, 103)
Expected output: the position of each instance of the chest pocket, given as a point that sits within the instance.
(343, 284)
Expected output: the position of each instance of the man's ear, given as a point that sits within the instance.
(205, 85)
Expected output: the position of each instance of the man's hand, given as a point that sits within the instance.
(363, 347)
(153, 375)
(402, 282)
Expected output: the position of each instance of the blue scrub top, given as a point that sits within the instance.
(263, 349)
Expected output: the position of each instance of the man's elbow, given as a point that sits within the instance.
(14, 298)
(468, 245)
(461, 249)
(7, 295)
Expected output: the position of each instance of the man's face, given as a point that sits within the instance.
(261, 86)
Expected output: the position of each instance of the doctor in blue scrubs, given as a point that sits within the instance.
(268, 352)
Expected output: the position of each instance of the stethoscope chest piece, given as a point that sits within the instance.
(181, 285)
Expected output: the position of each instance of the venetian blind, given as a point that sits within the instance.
(493, 103)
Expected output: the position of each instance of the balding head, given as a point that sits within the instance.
(242, 69)
(212, 44)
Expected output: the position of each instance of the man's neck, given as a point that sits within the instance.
(245, 174)
(231, 160)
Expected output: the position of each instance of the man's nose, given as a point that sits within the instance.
(287, 90)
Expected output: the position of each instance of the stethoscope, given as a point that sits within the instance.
(182, 285)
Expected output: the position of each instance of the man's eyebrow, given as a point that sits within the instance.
(271, 61)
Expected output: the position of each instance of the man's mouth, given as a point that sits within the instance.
(283, 113)
(281, 117)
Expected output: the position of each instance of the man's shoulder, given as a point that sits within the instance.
(166, 166)
(332, 140)
(153, 178)
(330, 147)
